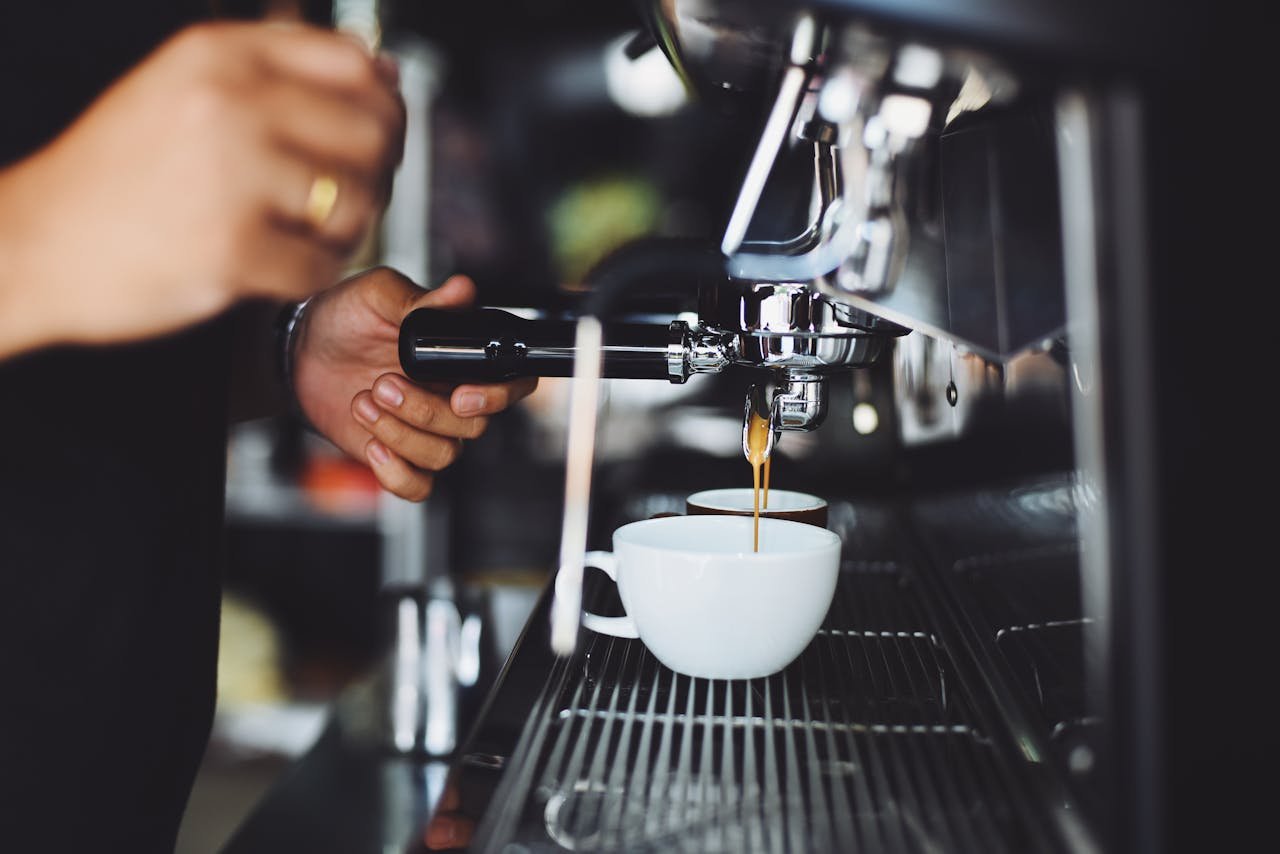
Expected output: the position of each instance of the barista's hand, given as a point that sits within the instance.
(348, 381)
(185, 186)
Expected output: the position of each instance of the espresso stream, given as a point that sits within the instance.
(757, 443)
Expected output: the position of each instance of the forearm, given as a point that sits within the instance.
(21, 328)
(28, 320)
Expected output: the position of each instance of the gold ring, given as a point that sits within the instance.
(321, 199)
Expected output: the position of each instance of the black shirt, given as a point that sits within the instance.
(112, 465)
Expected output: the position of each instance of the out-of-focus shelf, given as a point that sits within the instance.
(287, 729)
(330, 491)
(276, 504)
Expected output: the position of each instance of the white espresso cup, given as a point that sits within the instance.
(706, 604)
(783, 504)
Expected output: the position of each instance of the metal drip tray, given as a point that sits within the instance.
(866, 742)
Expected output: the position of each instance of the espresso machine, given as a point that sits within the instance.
(904, 225)
(951, 198)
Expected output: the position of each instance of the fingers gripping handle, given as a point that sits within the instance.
(620, 627)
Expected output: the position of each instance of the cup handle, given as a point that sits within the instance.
(619, 627)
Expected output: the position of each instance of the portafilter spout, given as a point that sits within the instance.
(798, 404)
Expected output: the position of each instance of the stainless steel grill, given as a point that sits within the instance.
(869, 741)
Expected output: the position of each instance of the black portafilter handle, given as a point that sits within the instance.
(492, 345)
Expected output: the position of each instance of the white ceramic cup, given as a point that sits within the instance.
(706, 605)
(783, 504)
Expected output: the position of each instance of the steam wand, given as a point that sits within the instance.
(584, 400)
(635, 265)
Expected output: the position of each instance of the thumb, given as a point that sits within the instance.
(455, 292)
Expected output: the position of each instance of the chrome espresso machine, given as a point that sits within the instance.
(960, 208)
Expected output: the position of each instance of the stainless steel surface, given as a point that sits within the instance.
(771, 139)
(940, 390)
(697, 351)
(1123, 566)
(800, 401)
(723, 49)
(890, 109)
(791, 93)
(606, 349)
(1075, 140)
(1009, 570)
(774, 326)
(862, 235)
(799, 335)
(794, 311)
(731, 44)
(827, 192)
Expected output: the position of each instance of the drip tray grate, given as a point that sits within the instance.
(863, 743)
